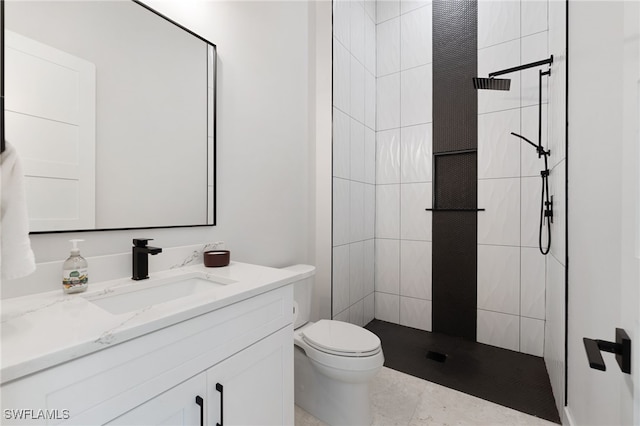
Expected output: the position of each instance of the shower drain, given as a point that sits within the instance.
(436, 356)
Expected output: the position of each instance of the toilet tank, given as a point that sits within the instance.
(302, 291)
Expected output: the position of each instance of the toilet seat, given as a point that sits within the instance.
(340, 360)
(341, 339)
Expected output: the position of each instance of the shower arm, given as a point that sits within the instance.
(547, 61)
(540, 149)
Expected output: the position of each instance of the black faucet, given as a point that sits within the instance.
(140, 250)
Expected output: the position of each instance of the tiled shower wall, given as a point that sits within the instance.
(511, 269)
(354, 118)
(403, 163)
(383, 180)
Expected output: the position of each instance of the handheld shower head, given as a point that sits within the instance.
(482, 83)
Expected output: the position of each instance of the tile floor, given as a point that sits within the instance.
(401, 399)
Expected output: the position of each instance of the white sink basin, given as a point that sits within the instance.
(138, 295)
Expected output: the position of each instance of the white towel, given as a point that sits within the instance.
(16, 257)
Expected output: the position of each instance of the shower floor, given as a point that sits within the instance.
(505, 377)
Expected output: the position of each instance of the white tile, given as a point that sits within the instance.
(342, 21)
(534, 48)
(341, 144)
(388, 47)
(416, 95)
(356, 313)
(415, 39)
(555, 320)
(356, 272)
(532, 283)
(369, 267)
(387, 307)
(496, 58)
(387, 211)
(415, 269)
(499, 279)
(388, 156)
(501, 330)
(369, 43)
(415, 313)
(498, 149)
(341, 77)
(387, 9)
(409, 5)
(557, 188)
(356, 211)
(531, 165)
(342, 316)
(388, 102)
(387, 269)
(416, 153)
(369, 211)
(415, 221)
(534, 16)
(532, 336)
(369, 313)
(357, 73)
(356, 151)
(341, 211)
(370, 9)
(369, 155)
(357, 31)
(498, 21)
(499, 224)
(369, 100)
(530, 222)
(340, 285)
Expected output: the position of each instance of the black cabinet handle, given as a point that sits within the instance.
(621, 347)
(200, 402)
(221, 390)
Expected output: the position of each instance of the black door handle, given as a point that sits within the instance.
(200, 402)
(220, 389)
(621, 347)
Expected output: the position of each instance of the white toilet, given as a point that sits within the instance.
(334, 362)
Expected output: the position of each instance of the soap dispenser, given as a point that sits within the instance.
(75, 278)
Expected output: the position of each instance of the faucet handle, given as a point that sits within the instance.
(141, 242)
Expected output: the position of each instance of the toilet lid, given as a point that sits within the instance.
(341, 338)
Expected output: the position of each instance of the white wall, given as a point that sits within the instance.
(264, 156)
(603, 195)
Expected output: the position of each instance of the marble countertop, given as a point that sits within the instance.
(47, 329)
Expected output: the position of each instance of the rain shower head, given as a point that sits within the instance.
(481, 83)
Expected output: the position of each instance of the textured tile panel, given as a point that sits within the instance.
(415, 270)
(499, 279)
(415, 313)
(340, 278)
(387, 267)
(416, 153)
(415, 221)
(499, 330)
(356, 272)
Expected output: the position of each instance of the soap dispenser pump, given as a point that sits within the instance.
(75, 278)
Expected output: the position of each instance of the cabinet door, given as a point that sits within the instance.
(255, 386)
(177, 406)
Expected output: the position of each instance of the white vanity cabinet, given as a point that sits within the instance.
(248, 388)
(246, 348)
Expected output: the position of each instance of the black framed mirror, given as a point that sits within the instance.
(111, 108)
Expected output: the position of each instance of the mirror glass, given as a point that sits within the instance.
(111, 108)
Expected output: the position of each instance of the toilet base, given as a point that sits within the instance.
(331, 401)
